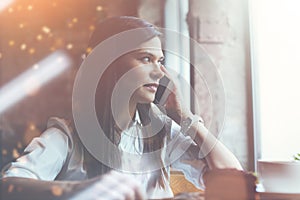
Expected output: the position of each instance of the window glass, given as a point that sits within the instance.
(276, 45)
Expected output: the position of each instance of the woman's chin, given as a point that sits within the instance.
(147, 100)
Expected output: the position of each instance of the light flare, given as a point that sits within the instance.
(5, 3)
(34, 78)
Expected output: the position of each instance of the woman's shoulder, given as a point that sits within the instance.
(60, 123)
(64, 126)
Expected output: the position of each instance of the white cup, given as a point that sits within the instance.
(279, 176)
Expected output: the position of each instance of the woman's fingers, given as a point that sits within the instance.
(128, 187)
(112, 186)
(175, 105)
(165, 71)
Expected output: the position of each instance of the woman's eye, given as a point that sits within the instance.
(161, 62)
(146, 59)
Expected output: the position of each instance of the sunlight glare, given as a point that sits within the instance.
(31, 80)
(5, 3)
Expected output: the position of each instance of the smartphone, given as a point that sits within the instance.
(163, 91)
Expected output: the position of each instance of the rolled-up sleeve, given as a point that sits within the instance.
(189, 162)
(43, 158)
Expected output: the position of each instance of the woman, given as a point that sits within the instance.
(132, 124)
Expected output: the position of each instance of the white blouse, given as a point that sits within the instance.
(53, 156)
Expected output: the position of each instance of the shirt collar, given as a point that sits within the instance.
(137, 119)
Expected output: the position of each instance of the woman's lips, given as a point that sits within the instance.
(151, 87)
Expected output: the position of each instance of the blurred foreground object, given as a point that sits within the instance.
(111, 186)
(229, 184)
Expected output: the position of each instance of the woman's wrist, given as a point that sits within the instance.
(190, 121)
(185, 114)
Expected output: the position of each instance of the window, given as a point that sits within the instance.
(175, 20)
(276, 62)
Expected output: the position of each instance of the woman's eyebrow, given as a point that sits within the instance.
(145, 52)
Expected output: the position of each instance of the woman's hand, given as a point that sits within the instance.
(111, 186)
(175, 107)
(216, 154)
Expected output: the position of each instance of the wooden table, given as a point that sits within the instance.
(278, 196)
(258, 196)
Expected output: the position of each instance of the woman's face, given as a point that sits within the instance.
(142, 69)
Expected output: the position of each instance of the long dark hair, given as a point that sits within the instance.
(108, 80)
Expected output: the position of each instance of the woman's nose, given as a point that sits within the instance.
(157, 73)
